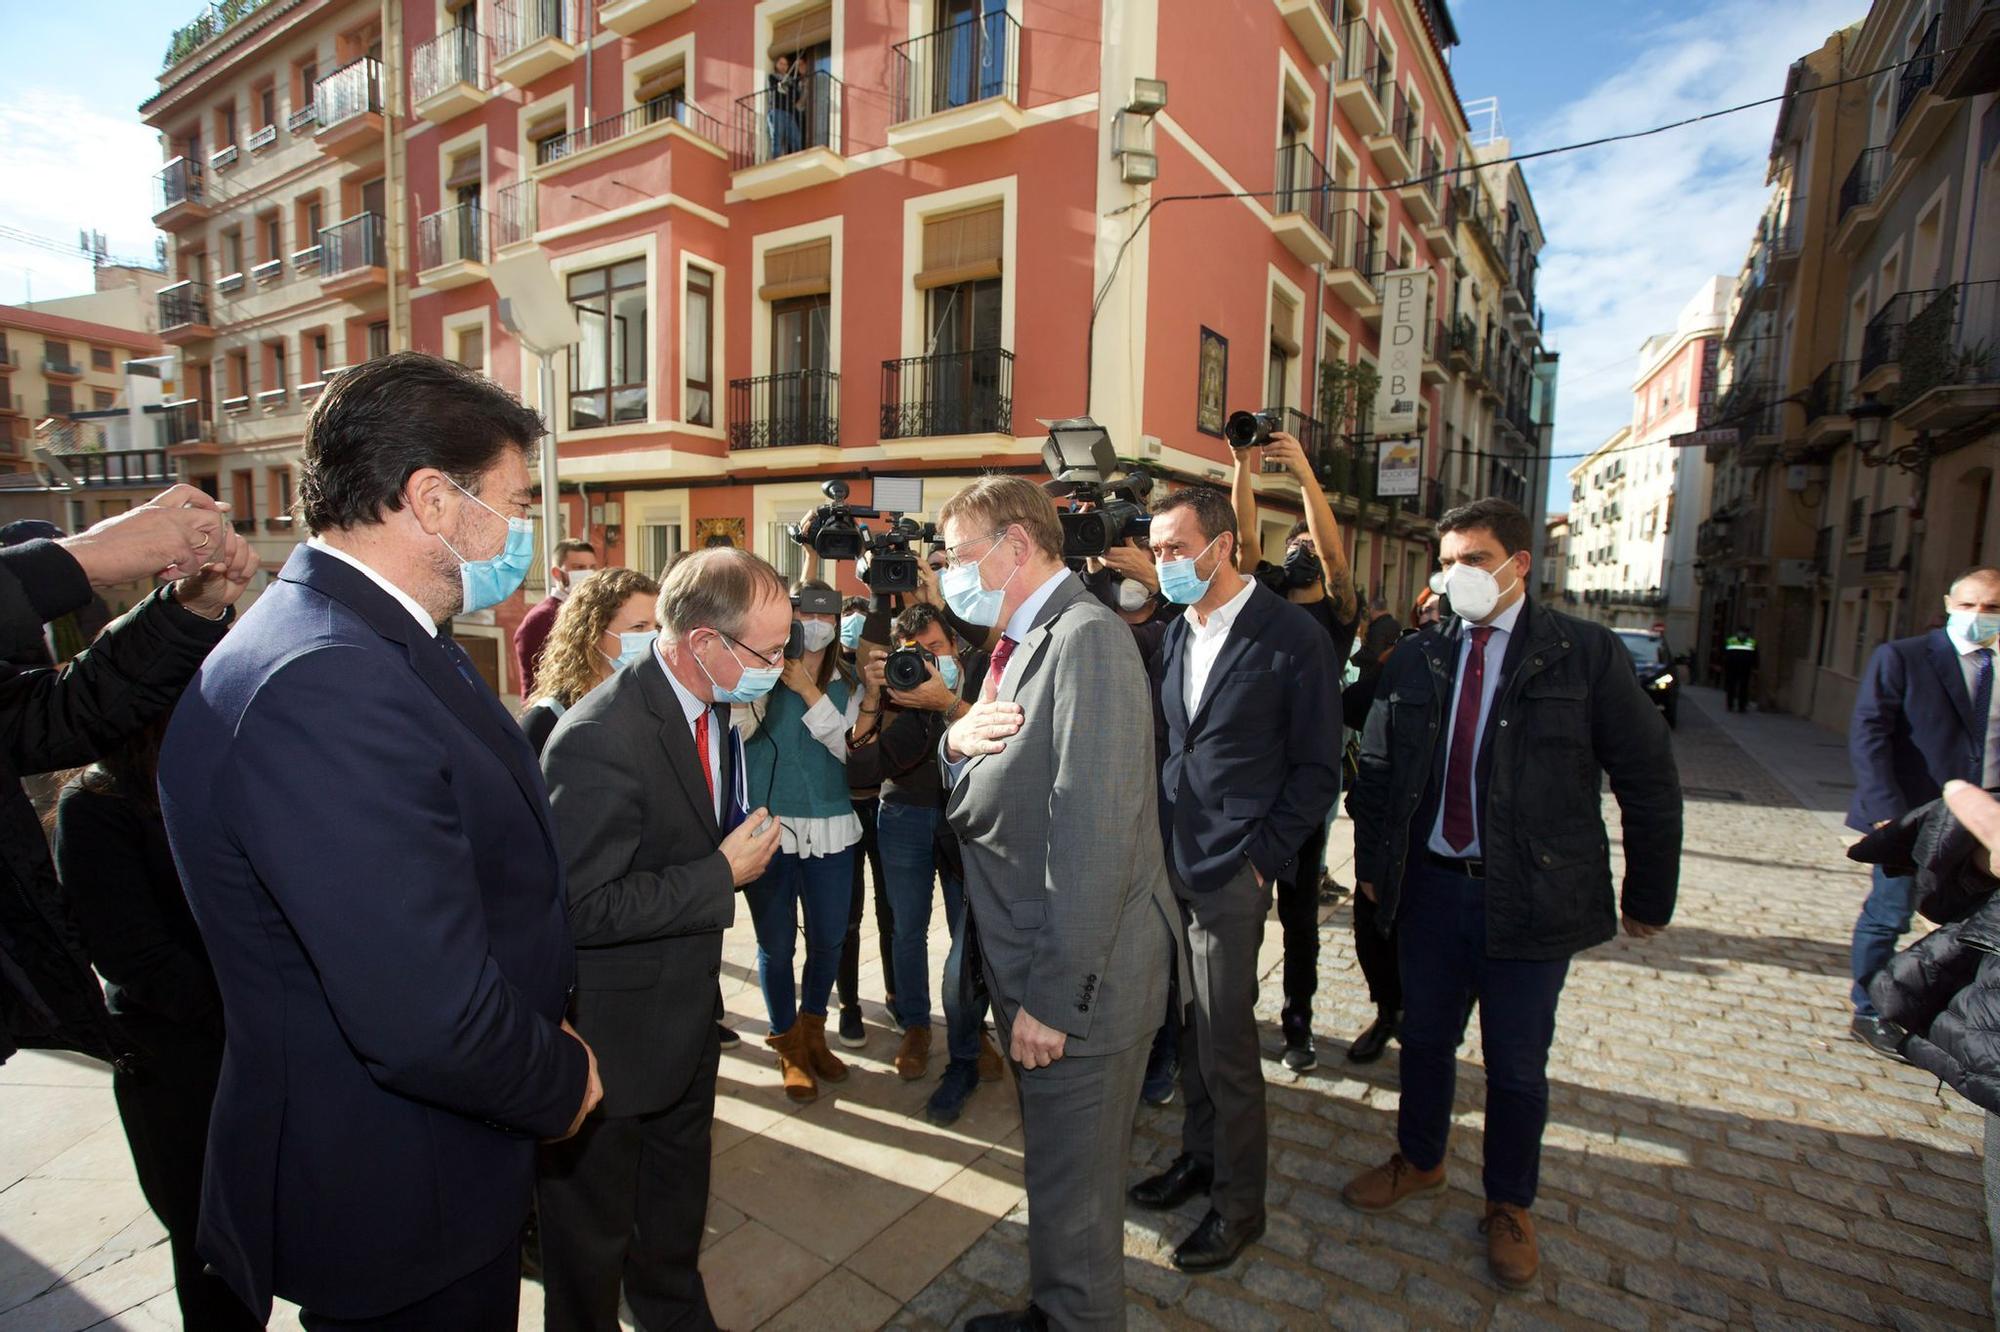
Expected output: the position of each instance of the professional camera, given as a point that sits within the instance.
(1079, 456)
(884, 560)
(908, 667)
(1247, 430)
(1301, 569)
(889, 564)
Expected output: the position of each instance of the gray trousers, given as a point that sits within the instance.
(1224, 1125)
(1993, 1202)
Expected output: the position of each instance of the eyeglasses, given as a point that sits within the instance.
(951, 556)
(775, 657)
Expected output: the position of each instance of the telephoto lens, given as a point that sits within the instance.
(1246, 430)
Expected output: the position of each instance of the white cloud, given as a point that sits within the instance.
(71, 166)
(1634, 229)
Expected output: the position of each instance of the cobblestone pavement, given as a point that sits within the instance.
(1718, 1152)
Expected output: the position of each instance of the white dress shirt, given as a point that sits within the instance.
(1019, 625)
(1968, 665)
(409, 603)
(1204, 645)
(1502, 626)
(692, 708)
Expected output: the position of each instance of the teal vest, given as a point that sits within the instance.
(788, 770)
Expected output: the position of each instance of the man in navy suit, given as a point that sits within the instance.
(1927, 712)
(1250, 689)
(365, 840)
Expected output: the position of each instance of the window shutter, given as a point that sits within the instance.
(798, 270)
(668, 80)
(962, 247)
(465, 170)
(1284, 319)
(802, 32)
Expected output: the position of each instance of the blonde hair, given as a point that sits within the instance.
(572, 663)
(1001, 502)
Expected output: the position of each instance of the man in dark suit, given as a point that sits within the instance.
(641, 775)
(1479, 833)
(1065, 884)
(366, 844)
(1250, 689)
(1927, 711)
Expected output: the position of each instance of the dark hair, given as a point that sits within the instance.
(572, 546)
(1299, 528)
(1213, 513)
(129, 768)
(387, 419)
(852, 604)
(1509, 526)
(914, 620)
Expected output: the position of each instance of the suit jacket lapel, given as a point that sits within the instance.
(1235, 643)
(1945, 662)
(678, 739)
(1027, 653)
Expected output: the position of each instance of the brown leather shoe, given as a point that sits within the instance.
(991, 1065)
(795, 1064)
(1510, 1245)
(913, 1057)
(1386, 1185)
(826, 1065)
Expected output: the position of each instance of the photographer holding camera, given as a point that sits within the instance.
(929, 684)
(1314, 577)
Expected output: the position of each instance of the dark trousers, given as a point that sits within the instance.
(1446, 971)
(164, 1106)
(1224, 1125)
(623, 1202)
(867, 860)
(1885, 918)
(1736, 683)
(1376, 952)
(1298, 913)
(486, 1300)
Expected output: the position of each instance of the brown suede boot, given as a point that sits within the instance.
(990, 1063)
(795, 1064)
(826, 1065)
(1510, 1245)
(1386, 1185)
(913, 1057)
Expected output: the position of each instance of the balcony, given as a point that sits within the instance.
(61, 370)
(10, 360)
(305, 260)
(513, 217)
(271, 400)
(1882, 342)
(451, 248)
(1822, 556)
(788, 141)
(1880, 555)
(1860, 194)
(150, 468)
(184, 313)
(298, 121)
(1349, 274)
(1391, 145)
(1462, 346)
(1784, 234)
(1921, 115)
(448, 75)
(230, 283)
(1437, 337)
(1363, 68)
(1443, 232)
(261, 139)
(954, 393)
(1311, 21)
(627, 17)
(222, 159)
(1711, 538)
(956, 86)
(790, 410)
(533, 37)
(352, 259)
(180, 198)
(662, 118)
(1419, 191)
(1826, 404)
(184, 423)
(1951, 359)
(236, 405)
(1301, 202)
(268, 271)
(1970, 46)
(347, 104)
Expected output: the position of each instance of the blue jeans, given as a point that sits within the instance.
(1441, 946)
(1885, 917)
(824, 885)
(907, 835)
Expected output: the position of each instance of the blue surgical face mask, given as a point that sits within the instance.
(967, 594)
(1180, 584)
(488, 582)
(1973, 628)
(948, 672)
(757, 681)
(850, 630)
(632, 646)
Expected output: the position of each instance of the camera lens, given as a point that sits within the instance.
(1242, 429)
(906, 668)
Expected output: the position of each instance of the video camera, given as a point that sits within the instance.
(884, 560)
(1079, 456)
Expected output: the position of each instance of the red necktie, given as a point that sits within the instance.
(995, 668)
(1458, 822)
(701, 748)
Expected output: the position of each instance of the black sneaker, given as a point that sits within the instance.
(1299, 1056)
(728, 1039)
(954, 1089)
(1163, 1071)
(1879, 1034)
(852, 1034)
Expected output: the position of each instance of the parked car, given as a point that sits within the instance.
(1659, 674)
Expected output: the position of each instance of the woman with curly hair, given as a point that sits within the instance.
(607, 622)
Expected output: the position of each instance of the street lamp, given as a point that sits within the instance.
(1870, 417)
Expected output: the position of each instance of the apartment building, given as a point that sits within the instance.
(1867, 483)
(280, 197)
(1553, 562)
(52, 365)
(1635, 501)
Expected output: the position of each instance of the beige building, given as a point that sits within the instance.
(280, 195)
(53, 365)
(1553, 563)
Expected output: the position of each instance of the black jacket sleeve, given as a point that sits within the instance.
(39, 580)
(1368, 802)
(64, 718)
(1312, 754)
(1635, 750)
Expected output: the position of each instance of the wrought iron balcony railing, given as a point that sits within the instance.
(519, 24)
(782, 410)
(1919, 72)
(613, 128)
(514, 214)
(1953, 340)
(450, 236)
(968, 62)
(1301, 180)
(1882, 339)
(776, 122)
(1864, 179)
(354, 244)
(453, 56)
(355, 89)
(178, 182)
(954, 393)
(1830, 390)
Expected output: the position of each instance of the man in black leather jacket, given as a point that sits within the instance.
(1479, 833)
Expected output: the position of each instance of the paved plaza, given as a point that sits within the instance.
(1719, 1152)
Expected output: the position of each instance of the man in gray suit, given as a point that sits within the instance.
(1055, 804)
(641, 773)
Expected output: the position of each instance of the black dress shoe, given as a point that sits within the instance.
(1173, 1186)
(1217, 1243)
(1880, 1035)
(1029, 1319)
(1370, 1044)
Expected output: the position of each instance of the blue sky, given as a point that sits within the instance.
(1633, 229)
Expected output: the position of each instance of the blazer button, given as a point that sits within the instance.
(715, 971)
(1546, 857)
(1083, 1008)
